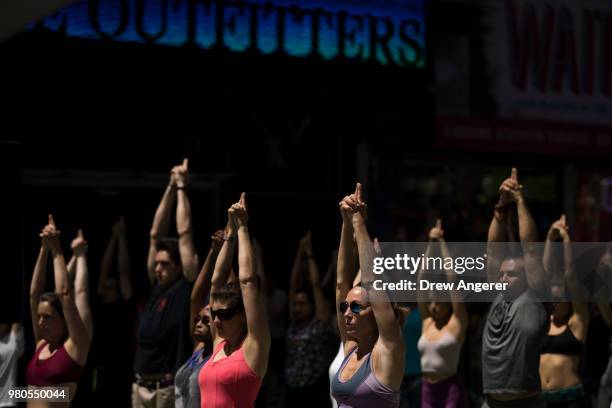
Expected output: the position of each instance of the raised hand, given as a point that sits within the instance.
(51, 236)
(559, 230)
(436, 233)
(238, 214)
(181, 174)
(217, 240)
(79, 244)
(119, 227)
(306, 244)
(510, 189)
(352, 204)
(377, 247)
(361, 207)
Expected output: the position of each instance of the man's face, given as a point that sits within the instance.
(166, 271)
(512, 271)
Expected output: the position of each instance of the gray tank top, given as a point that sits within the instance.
(511, 344)
(186, 385)
(362, 390)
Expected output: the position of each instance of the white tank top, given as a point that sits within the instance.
(439, 356)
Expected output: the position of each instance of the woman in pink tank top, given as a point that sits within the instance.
(232, 376)
(62, 326)
(373, 366)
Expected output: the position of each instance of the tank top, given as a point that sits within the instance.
(564, 343)
(60, 368)
(362, 390)
(229, 382)
(440, 356)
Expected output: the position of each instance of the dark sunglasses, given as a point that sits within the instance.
(203, 319)
(225, 314)
(355, 307)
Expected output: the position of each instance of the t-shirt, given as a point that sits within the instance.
(11, 348)
(511, 344)
(163, 338)
(309, 352)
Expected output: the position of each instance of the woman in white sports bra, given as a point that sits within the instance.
(443, 334)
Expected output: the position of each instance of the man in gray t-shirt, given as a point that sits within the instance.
(517, 320)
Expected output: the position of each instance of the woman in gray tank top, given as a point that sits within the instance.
(372, 371)
(186, 385)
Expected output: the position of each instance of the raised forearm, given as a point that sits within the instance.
(365, 248)
(294, 281)
(123, 262)
(223, 265)
(39, 279)
(107, 262)
(183, 214)
(81, 281)
(345, 268)
(161, 220)
(60, 272)
(246, 260)
(201, 288)
(527, 228)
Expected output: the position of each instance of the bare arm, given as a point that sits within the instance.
(257, 342)
(296, 278)
(77, 345)
(107, 262)
(388, 326)
(223, 265)
(161, 225)
(37, 288)
(422, 295)
(458, 323)
(579, 321)
(189, 256)
(81, 282)
(259, 267)
(123, 263)
(71, 267)
(345, 269)
(496, 235)
(529, 237)
(388, 352)
(321, 306)
(201, 288)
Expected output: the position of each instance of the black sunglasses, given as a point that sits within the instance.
(355, 307)
(225, 314)
(203, 319)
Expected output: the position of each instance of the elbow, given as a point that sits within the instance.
(183, 230)
(250, 280)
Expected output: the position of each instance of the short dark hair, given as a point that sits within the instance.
(231, 293)
(53, 299)
(170, 245)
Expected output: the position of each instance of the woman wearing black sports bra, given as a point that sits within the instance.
(563, 346)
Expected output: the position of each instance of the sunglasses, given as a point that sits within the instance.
(203, 319)
(355, 307)
(225, 314)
